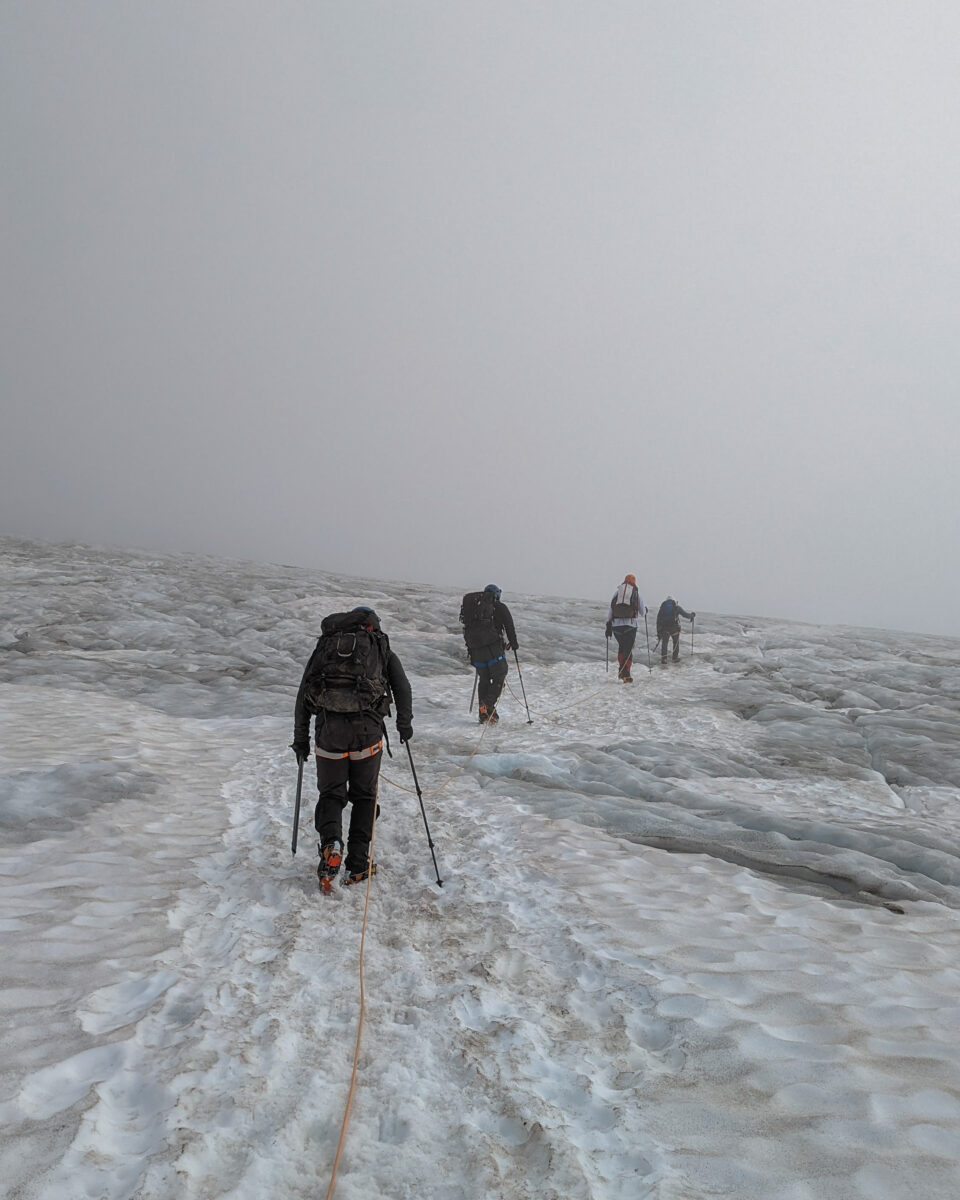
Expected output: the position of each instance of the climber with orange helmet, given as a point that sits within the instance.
(625, 608)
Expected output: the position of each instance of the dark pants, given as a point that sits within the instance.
(490, 674)
(664, 638)
(626, 635)
(340, 780)
(490, 683)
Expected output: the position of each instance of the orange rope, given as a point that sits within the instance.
(363, 1007)
(363, 938)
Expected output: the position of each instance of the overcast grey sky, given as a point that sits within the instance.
(533, 293)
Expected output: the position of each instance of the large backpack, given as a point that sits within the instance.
(476, 616)
(624, 601)
(347, 672)
(667, 614)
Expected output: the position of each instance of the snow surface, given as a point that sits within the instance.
(697, 937)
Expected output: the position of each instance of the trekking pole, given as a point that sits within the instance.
(296, 811)
(416, 784)
(476, 676)
(646, 630)
(608, 656)
(523, 689)
(693, 621)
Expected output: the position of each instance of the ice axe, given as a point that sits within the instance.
(296, 811)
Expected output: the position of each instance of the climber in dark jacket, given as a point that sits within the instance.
(348, 748)
(668, 626)
(488, 630)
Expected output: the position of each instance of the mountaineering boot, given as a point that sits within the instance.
(628, 678)
(358, 876)
(493, 717)
(483, 714)
(331, 856)
(676, 656)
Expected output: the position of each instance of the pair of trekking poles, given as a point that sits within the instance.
(423, 811)
(646, 630)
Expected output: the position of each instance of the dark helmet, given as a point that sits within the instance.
(371, 617)
(492, 587)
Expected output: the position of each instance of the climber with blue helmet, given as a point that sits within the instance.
(488, 631)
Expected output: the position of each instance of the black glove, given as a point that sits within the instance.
(514, 646)
(693, 616)
(301, 750)
(609, 629)
(405, 729)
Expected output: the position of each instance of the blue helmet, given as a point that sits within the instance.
(492, 587)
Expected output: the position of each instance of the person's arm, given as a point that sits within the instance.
(683, 613)
(402, 697)
(301, 717)
(505, 621)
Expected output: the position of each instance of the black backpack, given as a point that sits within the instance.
(667, 615)
(476, 617)
(347, 672)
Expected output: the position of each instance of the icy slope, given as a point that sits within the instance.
(698, 937)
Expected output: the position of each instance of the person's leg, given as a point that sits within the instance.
(664, 645)
(618, 634)
(328, 817)
(364, 774)
(498, 675)
(332, 775)
(484, 690)
(676, 645)
(626, 647)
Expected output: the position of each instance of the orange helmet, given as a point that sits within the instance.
(632, 579)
